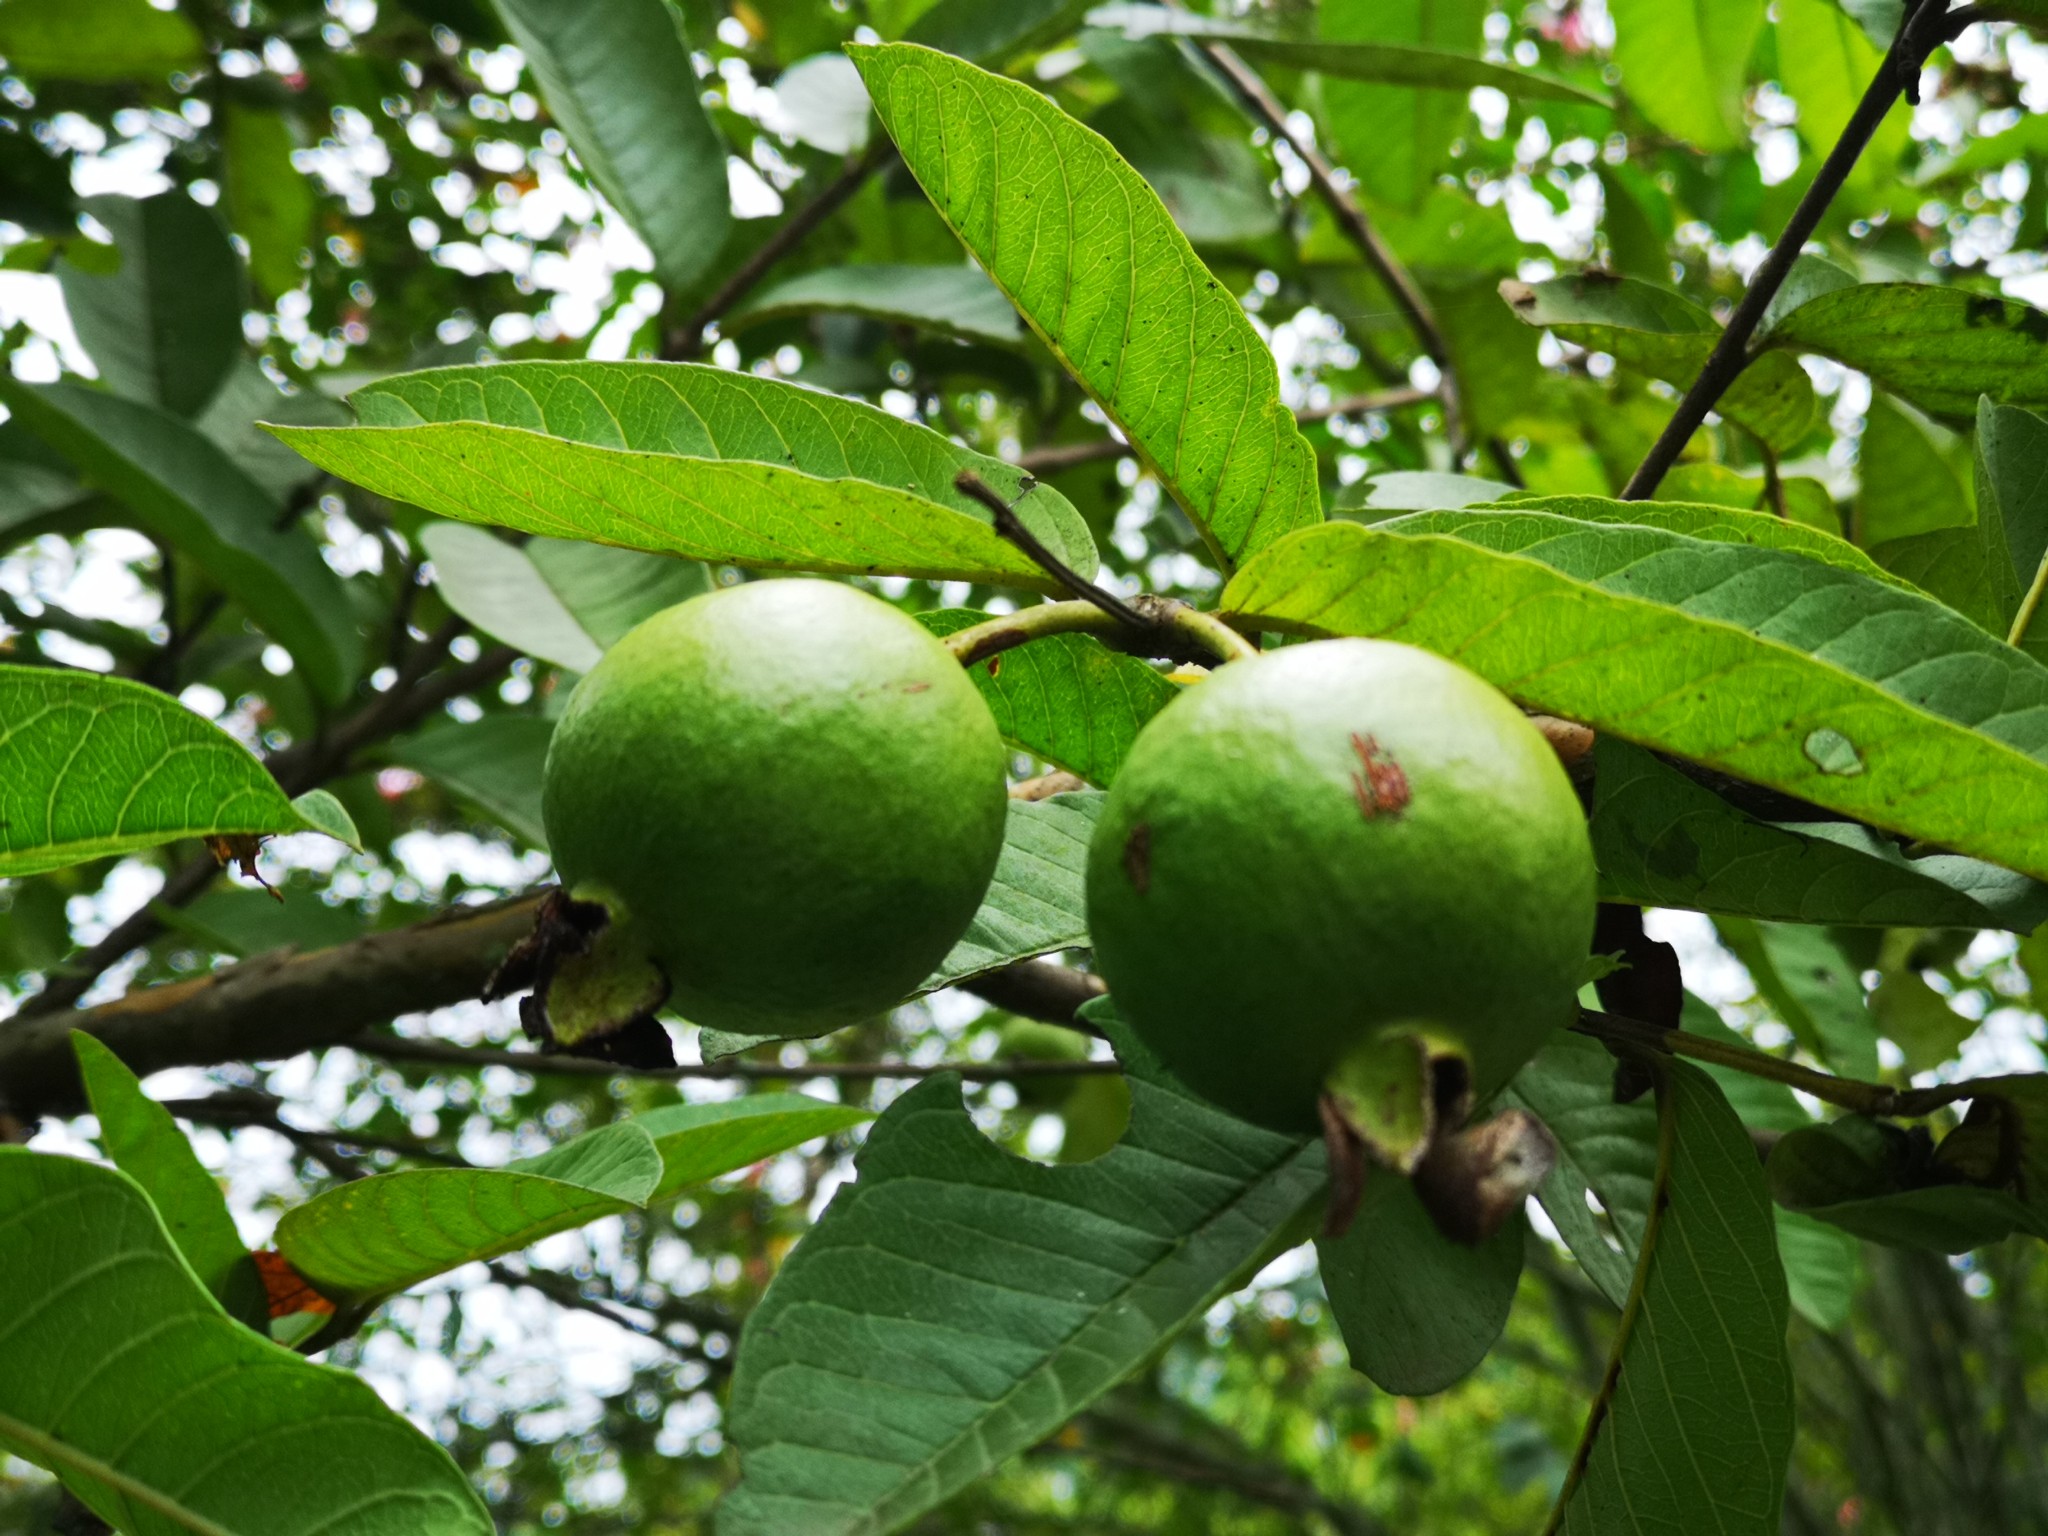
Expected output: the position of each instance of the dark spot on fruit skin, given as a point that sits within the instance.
(917, 687)
(1380, 786)
(1138, 858)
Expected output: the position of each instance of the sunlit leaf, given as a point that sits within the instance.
(1683, 66)
(954, 301)
(1940, 348)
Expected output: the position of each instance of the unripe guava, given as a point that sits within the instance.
(1330, 845)
(794, 793)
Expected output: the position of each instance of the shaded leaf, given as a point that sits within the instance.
(616, 75)
(1885, 706)
(245, 398)
(1417, 490)
(1418, 1312)
(1813, 987)
(495, 586)
(493, 764)
(1918, 1020)
(269, 203)
(956, 1304)
(704, 1141)
(1909, 484)
(974, 29)
(234, 920)
(1823, 1268)
(97, 39)
(955, 301)
(1374, 63)
(119, 1372)
(1037, 902)
(1068, 699)
(166, 324)
(1660, 839)
(1939, 348)
(95, 766)
(186, 492)
(146, 1144)
(1396, 139)
(1683, 66)
(1084, 250)
(1867, 1178)
(610, 591)
(1693, 1425)
(1825, 62)
(1670, 338)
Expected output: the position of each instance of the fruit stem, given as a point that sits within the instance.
(1157, 616)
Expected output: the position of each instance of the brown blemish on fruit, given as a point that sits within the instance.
(1138, 858)
(917, 687)
(1380, 785)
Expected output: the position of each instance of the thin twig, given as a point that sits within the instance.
(1731, 353)
(1407, 293)
(394, 1048)
(1011, 527)
(1062, 456)
(686, 341)
(1171, 629)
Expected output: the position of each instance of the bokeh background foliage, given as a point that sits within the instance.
(1411, 256)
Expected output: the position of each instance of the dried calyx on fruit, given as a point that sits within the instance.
(774, 809)
(1346, 886)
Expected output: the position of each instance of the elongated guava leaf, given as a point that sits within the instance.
(1038, 901)
(617, 76)
(184, 489)
(1940, 348)
(1084, 249)
(954, 301)
(121, 1374)
(1662, 840)
(146, 1144)
(698, 461)
(1667, 337)
(1848, 693)
(1693, 1425)
(95, 766)
(1069, 699)
(956, 1304)
(382, 1234)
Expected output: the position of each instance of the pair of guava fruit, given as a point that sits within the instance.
(1346, 871)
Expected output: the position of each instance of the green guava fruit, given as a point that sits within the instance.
(1316, 857)
(790, 796)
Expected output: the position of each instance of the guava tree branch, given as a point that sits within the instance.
(1167, 618)
(396, 1048)
(686, 341)
(1407, 293)
(1928, 24)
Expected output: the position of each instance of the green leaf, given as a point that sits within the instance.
(1660, 839)
(1693, 1426)
(238, 921)
(616, 75)
(955, 1304)
(681, 459)
(1603, 1147)
(1825, 62)
(97, 40)
(323, 813)
(1813, 987)
(1068, 699)
(1684, 66)
(974, 29)
(1092, 260)
(1857, 1174)
(185, 491)
(2012, 506)
(555, 599)
(245, 399)
(119, 1372)
(954, 301)
(699, 1142)
(166, 324)
(269, 202)
(495, 586)
(1886, 707)
(493, 764)
(1697, 520)
(1909, 481)
(1418, 1312)
(1419, 490)
(1374, 63)
(1939, 348)
(376, 1236)
(1823, 1268)
(1670, 338)
(92, 767)
(1037, 901)
(1397, 139)
(146, 1144)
